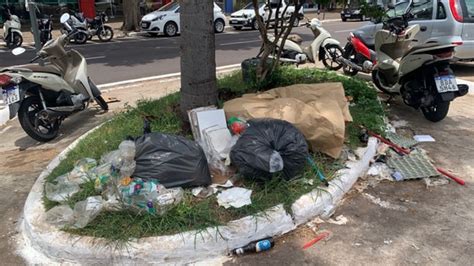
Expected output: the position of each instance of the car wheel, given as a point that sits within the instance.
(255, 24)
(296, 23)
(171, 29)
(219, 26)
(344, 19)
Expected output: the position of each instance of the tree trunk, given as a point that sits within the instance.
(131, 15)
(198, 62)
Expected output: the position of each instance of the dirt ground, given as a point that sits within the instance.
(427, 226)
(431, 225)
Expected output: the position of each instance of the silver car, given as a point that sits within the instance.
(443, 21)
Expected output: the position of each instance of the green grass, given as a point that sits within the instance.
(198, 214)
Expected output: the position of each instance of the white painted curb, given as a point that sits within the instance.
(41, 243)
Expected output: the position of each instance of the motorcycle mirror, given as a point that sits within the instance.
(18, 51)
(64, 18)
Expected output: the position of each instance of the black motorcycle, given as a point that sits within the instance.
(45, 27)
(97, 27)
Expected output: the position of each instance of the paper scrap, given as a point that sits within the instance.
(234, 197)
(424, 138)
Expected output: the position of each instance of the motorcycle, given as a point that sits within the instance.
(97, 27)
(324, 47)
(46, 95)
(45, 26)
(421, 74)
(12, 31)
(78, 24)
(359, 54)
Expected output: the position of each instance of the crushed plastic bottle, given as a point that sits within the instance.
(61, 191)
(85, 211)
(60, 216)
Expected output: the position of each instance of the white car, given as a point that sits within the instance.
(246, 16)
(166, 20)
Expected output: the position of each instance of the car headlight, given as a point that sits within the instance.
(159, 18)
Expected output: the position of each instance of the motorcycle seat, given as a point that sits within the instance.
(369, 41)
(295, 38)
(45, 69)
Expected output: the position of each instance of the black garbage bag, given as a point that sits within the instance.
(172, 160)
(268, 146)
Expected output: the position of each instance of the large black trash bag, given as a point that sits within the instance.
(268, 146)
(172, 160)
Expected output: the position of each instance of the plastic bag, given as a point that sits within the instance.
(268, 146)
(173, 161)
(101, 176)
(60, 216)
(61, 191)
(85, 211)
(122, 159)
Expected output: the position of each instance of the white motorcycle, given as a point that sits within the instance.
(324, 47)
(421, 74)
(44, 96)
(12, 32)
(78, 23)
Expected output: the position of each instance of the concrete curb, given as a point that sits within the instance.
(41, 243)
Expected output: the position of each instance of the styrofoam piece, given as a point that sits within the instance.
(317, 201)
(40, 242)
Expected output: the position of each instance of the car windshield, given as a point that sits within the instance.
(398, 10)
(250, 6)
(169, 7)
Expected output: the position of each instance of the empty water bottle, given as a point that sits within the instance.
(257, 246)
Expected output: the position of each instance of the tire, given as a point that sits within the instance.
(106, 34)
(237, 28)
(17, 40)
(27, 115)
(219, 26)
(344, 19)
(329, 59)
(436, 112)
(348, 53)
(296, 23)
(80, 38)
(171, 29)
(254, 24)
(101, 102)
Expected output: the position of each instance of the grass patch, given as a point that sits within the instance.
(198, 214)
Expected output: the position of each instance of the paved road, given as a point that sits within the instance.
(144, 56)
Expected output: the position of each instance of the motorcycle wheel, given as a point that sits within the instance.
(106, 34)
(101, 102)
(348, 70)
(437, 112)
(17, 40)
(329, 59)
(80, 38)
(36, 128)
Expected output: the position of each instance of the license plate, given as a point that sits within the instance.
(347, 15)
(11, 95)
(144, 25)
(446, 83)
(234, 22)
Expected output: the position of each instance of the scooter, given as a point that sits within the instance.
(12, 31)
(421, 74)
(359, 54)
(45, 95)
(78, 24)
(45, 26)
(324, 47)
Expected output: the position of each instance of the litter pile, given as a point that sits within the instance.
(259, 137)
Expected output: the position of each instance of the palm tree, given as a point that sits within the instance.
(198, 63)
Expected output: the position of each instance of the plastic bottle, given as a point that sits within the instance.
(257, 246)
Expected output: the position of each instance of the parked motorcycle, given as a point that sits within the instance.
(97, 27)
(324, 47)
(45, 27)
(45, 95)
(421, 74)
(12, 31)
(78, 24)
(359, 54)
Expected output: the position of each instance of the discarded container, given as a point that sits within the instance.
(60, 216)
(255, 247)
(234, 197)
(85, 211)
(60, 192)
(237, 125)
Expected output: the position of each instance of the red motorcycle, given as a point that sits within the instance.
(359, 54)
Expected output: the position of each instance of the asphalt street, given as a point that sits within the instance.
(124, 59)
